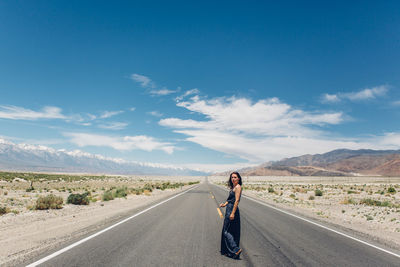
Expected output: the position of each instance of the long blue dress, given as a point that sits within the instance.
(231, 230)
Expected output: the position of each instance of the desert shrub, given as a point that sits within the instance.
(370, 202)
(351, 192)
(271, 190)
(318, 193)
(373, 202)
(78, 199)
(149, 187)
(292, 196)
(349, 201)
(391, 190)
(311, 197)
(196, 182)
(108, 195)
(176, 185)
(369, 217)
(4, 210)
(120, 192)
(136, 191)
(49, 202)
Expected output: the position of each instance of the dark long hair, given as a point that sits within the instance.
(230, 184)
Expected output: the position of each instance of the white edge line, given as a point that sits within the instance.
(322, 226)
(55, 254)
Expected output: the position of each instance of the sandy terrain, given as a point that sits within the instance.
(360, 204)
(26, 232)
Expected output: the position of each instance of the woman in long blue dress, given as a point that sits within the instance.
(230, 237)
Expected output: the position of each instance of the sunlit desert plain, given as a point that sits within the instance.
(39, 211)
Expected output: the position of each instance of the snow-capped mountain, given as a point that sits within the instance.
(25, 157)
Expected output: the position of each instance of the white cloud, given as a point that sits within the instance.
(365, 94)
(265, 117)
(187, 93)
(267, 148)
(108, 114)
(132, 109)
(162, 92)
(122, 143)
(257, 131)
(155, 113)
(114, 125)
(330, 98)
(91, 117)
(20, 113)
(85, 123)
(389, 140)
(143, 80)
(368, 93)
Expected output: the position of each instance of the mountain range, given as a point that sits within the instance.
(24, 157)
(340, 162)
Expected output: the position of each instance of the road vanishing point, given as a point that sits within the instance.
(185, 230)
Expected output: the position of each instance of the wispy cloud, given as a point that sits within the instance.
(91, 117)
(151, 86)
(330, 98)
(155, 113)
(187, 93)
(20, 113)
(108, 114)
(144, 81)
(113, 125)
(365, 94)
(162, 92)
(121, 143)
(85, 123)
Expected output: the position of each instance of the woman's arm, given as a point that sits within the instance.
(238, 190)
(223, 204)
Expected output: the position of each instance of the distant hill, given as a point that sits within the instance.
(23, 157)
(334, 163)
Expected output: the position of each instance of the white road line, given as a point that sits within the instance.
(322, 226)
(55, 254)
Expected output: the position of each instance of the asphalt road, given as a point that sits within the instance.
(186, 231)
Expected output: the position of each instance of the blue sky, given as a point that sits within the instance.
(207, 84)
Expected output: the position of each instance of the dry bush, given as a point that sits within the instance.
(49, 202)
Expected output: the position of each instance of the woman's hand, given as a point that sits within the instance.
(222, 205)
(232, 216)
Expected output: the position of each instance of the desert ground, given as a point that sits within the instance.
(369, 206)
(26, 231)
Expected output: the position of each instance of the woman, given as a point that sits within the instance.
(231, 230)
